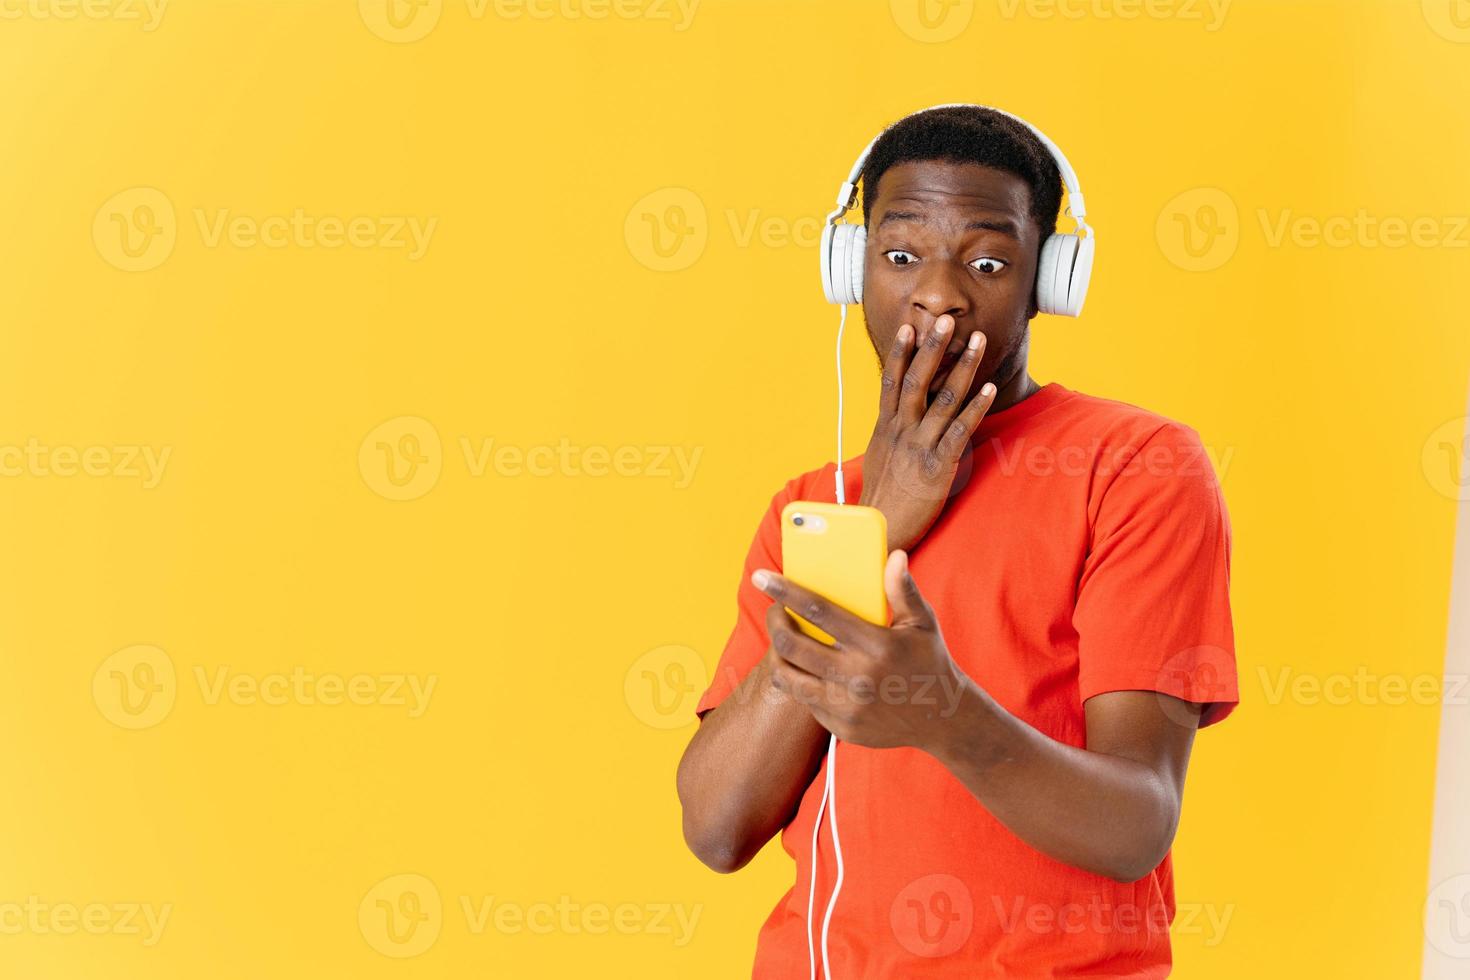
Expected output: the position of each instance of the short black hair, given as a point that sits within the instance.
(969, 134)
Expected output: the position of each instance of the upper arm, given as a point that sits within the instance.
(1151, 728)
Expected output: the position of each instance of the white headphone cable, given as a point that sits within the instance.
(829, 789)
(811, 895)
(841, 489)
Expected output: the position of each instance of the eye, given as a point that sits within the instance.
(988, 265)
(891, 254)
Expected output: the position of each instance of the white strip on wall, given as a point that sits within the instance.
(1447, 907)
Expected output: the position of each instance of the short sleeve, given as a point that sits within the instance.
(1153, 600)
(748, 639)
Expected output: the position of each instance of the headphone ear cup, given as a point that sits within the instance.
(829, 233)
(1054, 276)
(1046, 271)
(1081, 274)
(842, 262)
(856, 255)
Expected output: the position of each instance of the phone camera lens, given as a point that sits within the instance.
(798, 520)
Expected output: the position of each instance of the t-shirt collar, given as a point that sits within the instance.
(1038, 401)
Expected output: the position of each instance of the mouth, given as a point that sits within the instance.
(941, 373)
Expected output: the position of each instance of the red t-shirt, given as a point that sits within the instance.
(1087, 549)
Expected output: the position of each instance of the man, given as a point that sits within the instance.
(1013, 746)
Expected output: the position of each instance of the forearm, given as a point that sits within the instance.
(1102, 813)
(744, 772)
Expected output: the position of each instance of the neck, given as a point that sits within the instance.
(1015, 389)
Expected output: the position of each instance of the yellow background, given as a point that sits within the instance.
(543, 768)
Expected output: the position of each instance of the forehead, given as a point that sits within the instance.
(941, 188)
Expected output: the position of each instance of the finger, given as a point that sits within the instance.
(913, 395)
(893, 370)
(910, 608)
(947, 400)
(798, 684)
(837, 622)
(831, 705)
(803, 652)
(952, 444)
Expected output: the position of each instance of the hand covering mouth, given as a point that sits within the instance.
(941, 373)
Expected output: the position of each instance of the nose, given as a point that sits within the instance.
(937, 292)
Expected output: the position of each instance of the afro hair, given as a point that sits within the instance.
(970, 134)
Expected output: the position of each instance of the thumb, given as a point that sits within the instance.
(908, 604)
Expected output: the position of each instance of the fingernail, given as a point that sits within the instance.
(761, 578)
(944, 324)
(988, 389)
(905, 333)
(974, 341)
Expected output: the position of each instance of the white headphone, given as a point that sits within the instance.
(1062, 274)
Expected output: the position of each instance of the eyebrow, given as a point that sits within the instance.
(980, 224)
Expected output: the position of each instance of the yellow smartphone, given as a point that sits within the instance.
(838, 551)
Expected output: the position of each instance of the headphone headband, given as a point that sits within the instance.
(1076, 207)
